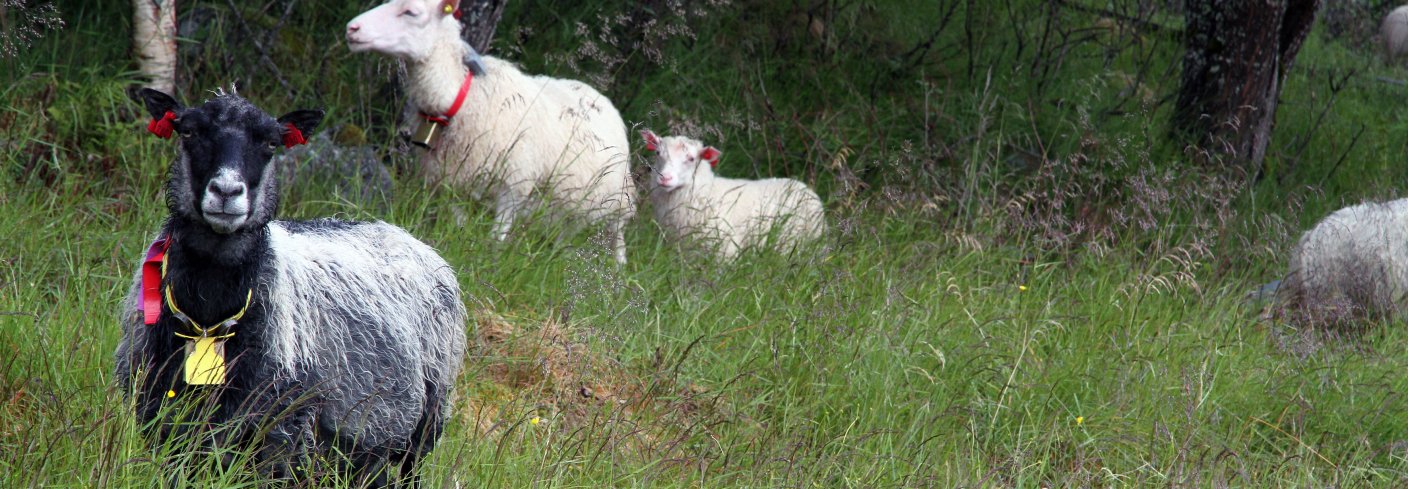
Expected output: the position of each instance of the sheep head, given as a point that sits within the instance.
(405, 29)
(676, 161)
(222, 176)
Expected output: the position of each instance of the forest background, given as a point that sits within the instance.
(1035, 277)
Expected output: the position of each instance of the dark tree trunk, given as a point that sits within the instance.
(480, 18)
(1238, 54)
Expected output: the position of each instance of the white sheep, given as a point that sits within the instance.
(516, 133)
(1353, 263)
(691, 203)
(1393, 32)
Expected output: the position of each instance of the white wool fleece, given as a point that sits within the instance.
(1393, 32)
(325, 286)
(692, 204)
(1353, 261)
(515, 134)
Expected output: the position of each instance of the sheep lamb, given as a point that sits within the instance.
(517, 135)
(692, 204)
(1353, 264)
(310, 341)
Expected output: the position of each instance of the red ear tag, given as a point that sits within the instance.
(650, 139)
(710, 155)
(162, 127)
(293, 137)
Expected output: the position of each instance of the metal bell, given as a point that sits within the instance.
(427, 134)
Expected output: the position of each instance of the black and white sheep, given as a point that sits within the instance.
(343, 336)
(726, 214)
(516, 134)
(1352, 264)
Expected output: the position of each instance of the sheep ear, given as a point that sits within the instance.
(157, 103)
(448, 7)
(711, 155)
(304, 120)
(652, 142)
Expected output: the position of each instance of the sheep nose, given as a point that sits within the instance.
(353, 27)
(666, 179)
(225, 188)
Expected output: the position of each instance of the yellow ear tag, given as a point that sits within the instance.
(205, 361)
(449, 8)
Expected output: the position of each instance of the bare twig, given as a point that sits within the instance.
(1142, 24)
(917, 53)
(259, 46)
(1344, 155)
(1336, 85)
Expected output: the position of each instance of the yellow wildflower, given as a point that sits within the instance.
(1080, 420)
(1022, 288)
(535, 420)
(170, 393)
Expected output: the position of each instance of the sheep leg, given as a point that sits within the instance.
(618, 236)
(368, 469)
(728, 248)
(284, 450)
(506, 208)
(428, 430)
(461, 215)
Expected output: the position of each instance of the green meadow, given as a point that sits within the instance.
(1026, 282)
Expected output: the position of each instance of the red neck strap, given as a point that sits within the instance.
(152, 271)
(459, 100)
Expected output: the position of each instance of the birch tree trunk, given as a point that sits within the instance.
(1238, 54)
(154, 42)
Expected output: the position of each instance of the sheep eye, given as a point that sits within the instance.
(184, 134)
(273, 145)
(409, 13)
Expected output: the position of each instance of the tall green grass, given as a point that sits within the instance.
(956, 329)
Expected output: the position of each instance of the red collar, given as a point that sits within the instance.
(444, 120)
(153, 269)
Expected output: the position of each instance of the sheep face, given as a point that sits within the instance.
(222, 176)
(405, 29)
(677, 159)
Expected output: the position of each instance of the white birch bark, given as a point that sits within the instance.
(154, 42)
